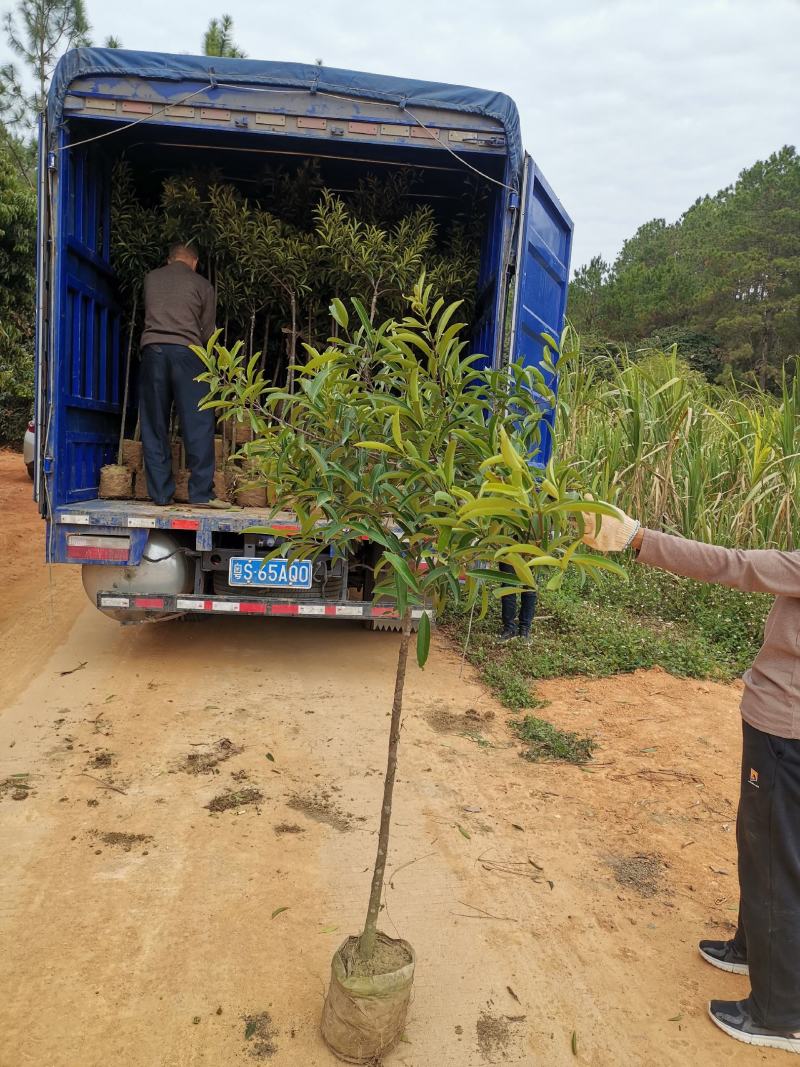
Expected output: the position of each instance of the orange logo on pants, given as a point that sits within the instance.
(754, 778)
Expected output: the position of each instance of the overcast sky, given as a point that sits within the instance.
(632, 108)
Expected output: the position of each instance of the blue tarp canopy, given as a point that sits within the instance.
(405, 92)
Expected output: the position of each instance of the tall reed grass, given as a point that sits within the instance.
(709, 462)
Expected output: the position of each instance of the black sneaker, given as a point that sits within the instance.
(733, 1016)
(724, 955)
(509, 633)
(524, 633)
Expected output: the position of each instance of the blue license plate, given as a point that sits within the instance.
(270, 574)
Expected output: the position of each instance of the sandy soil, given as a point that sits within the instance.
(141, 929)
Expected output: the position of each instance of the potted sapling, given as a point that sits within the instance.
(393, 436)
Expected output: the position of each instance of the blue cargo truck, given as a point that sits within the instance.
(168, 112)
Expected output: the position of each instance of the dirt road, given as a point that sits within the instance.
(141, 929)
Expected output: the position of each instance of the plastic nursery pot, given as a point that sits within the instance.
(364, 1017)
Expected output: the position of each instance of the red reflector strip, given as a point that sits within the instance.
(185, 524)
(119, 555)
(284, 609)
(148, 602)
(330, 609)
(252, 609)
(385, 613)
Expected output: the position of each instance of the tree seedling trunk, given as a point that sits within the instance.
(367, 1002)
(366, 944)
(126, 387)
(292, 352)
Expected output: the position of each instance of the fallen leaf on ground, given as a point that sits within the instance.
(73, 669)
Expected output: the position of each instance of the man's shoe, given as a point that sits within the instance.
(724, 955)
(216, 504)
(733, 1016)
(524, 633)
(509, 633)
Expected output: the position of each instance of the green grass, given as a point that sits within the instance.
(544, 741)
(655, 619)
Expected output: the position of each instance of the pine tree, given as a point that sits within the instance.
(218, 39)
(39, 32)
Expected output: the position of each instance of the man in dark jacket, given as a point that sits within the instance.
(767, 941)
(179, 310)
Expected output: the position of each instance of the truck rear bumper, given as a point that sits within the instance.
(158, 604)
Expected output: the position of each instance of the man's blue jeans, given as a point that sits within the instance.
(167, 374)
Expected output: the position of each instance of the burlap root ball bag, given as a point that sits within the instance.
(116, 482)
(363, 1018)
(132, 455)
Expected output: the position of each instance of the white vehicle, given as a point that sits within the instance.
(29, 446)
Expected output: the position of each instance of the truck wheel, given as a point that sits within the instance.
(29, 468)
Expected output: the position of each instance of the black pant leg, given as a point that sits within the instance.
(769, 875)
(527, 609)
(155, 404)
(197, 427)
(508, 604)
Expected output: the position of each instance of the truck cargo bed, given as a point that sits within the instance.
(137, 514)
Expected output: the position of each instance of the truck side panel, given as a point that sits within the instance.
(493, 279)
(88, 359)
(540, 298)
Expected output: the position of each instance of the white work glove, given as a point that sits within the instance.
(609, 533)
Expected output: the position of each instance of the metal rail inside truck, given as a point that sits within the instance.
(169, 113)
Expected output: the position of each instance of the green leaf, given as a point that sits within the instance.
(375, 446)
(403, 570)
(463, 832)
(508, 452)
(270, 757)
(449, 460)
(396, 431)
(279, 910)
(556, 581)
(423, 639)
(339, 313)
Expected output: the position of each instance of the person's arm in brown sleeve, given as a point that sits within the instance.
(751, 570)
(208, 315)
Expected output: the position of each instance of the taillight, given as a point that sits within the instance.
(31, 426)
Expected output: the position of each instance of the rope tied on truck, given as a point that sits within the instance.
(136, 122)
